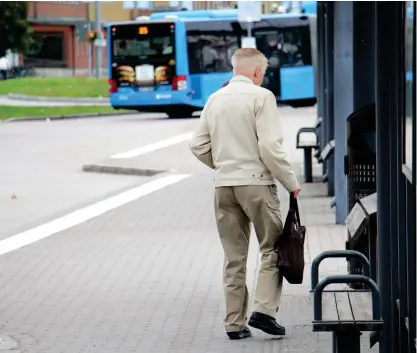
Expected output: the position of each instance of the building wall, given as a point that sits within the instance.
(266, 6)
(270, 6)
(110, 11)
(210, 5)
(65, 10)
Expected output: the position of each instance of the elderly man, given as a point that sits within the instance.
(240, 137)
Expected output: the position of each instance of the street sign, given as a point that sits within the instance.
(249, 11)
(248, 42)
(99, 42)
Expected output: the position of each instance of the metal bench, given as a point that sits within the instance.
(345, 313)
(308, 147)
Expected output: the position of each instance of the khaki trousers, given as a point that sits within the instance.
(235, 208)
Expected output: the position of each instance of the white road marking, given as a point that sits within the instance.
(84, 214)
(153, 146)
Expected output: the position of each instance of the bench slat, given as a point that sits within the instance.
(361, 305)
(343, 310)
(329, 307)
(343, 307)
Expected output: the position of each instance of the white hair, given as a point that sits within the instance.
(248, 59)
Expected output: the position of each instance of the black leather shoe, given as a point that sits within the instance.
(266, 324)
(239, 335)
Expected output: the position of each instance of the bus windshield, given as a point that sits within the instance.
(143, 54)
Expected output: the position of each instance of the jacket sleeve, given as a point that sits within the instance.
(270, 141)
(200, 143)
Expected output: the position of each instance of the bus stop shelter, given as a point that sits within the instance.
(366, 66)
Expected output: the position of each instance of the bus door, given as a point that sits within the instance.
(267, 43)
(286, 43)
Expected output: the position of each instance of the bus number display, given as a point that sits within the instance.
(143, 30)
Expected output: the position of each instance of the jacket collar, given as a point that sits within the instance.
(241, 78)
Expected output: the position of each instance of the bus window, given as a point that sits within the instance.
(211, 46)
(143, 54)
(284, 47)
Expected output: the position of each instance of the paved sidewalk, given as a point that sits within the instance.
(146, 278)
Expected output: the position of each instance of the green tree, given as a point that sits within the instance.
(15, 33)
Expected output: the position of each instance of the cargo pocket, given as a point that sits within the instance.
(273, 205)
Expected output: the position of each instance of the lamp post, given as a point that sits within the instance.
(98, 41)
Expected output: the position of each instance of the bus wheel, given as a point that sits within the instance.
(303, 103)
(179, 113)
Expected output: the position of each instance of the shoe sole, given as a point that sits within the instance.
(247, 335)
(261, 327)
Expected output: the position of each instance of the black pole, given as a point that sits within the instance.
(321, 11)
(329, 108)
(308, 165)
(395, 170)
(364, 53)
(319, 54)
(386, 76)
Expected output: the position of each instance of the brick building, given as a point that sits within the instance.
(55, 26)
(60, 28)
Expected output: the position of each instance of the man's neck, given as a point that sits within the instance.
(243, 75)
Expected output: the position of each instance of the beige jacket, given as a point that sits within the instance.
(240, 137)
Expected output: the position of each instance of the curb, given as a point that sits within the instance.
(23, 97)
(63, 117)
(97, 168)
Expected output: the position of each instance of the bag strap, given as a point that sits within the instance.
(294, 207)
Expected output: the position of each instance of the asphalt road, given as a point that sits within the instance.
(42, 161)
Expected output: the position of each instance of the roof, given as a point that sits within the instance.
(204, 15)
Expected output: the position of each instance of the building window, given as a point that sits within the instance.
(47, 50)
(410, 83)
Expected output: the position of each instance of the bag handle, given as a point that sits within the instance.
(294, 207)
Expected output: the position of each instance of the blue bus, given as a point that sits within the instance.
(172, 62)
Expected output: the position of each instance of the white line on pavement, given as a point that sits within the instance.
(84, 214)
(153, 146)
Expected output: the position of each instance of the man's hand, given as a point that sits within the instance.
(296, 193)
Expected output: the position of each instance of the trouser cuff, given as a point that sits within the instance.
(234, 328)
(264, 310)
